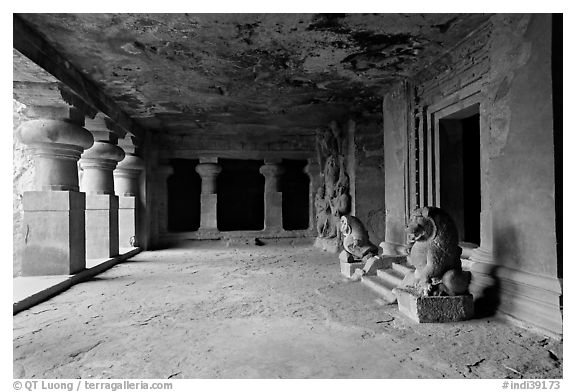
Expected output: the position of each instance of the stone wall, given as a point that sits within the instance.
(522, 150)
(366, 170)
(505, 68)
(22, 180)
(395, 126)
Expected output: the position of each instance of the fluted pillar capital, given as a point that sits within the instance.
(98, 164)
(56, 146)
(272, 173)
(208, 172)
(126, 175)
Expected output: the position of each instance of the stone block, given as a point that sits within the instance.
(208, 205)
(128, 202)
(54, 201)
(127, 221)
(434, 309)
(102, 228)
(101, 202)
(272, 210)
(127, 228)
(347, 269)
(54, 241)
(375, 263)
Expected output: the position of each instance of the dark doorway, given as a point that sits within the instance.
(240, 195)
(459, 143)
(295, 187)
(184, 196)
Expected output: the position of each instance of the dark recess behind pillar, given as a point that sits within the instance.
(184, 187)
(295, 187)
(240, 195)
(460, 174)
(557, 78)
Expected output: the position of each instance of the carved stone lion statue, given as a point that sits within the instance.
(356, 240)
(434, 251)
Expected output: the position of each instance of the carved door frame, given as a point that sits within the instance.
(424, 146)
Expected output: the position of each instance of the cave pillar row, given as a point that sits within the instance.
(208, 169)
(272, 170)
(98, 164)
(54, 210)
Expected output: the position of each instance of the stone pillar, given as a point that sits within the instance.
(54, 211)
(126, 185)
(313, 171)
(272, 170)
(482, 258)
(98, 164)
(208, 168)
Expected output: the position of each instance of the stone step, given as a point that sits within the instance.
(391, 276)
(381, 287)
(402, 268)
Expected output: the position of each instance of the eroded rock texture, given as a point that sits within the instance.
(223, 71)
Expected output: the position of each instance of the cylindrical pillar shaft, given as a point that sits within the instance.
(272, 196)
(126, 186)
(208, 199)
(98, 164)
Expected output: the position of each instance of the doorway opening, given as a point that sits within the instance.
(184, 187)
(295, 187)
(240, 195)
(459, 159)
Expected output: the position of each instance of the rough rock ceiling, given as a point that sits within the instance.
(174, 72)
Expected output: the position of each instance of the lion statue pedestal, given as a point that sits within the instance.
(437, 291)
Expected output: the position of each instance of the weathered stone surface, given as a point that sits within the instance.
(98, 164)
(56, 146)
(434, 309)
(345, 257)
(287, 69)
(55, 236)
(257, 312)
(435, 253)
(208, 208)
(327, 244)
(127, 222)
(355, 238)
(375, 263)
(347, 269)
(126, 175)
(273, 211)
(102, 222)
(22, 180)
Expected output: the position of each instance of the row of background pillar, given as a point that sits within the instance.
(209, 169)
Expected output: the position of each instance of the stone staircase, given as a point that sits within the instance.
(386, 280)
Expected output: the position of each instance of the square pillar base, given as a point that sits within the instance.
(101, 226)
(208, 205)
(434, 309)
(127, 221)
(55, 236)
(273, 211)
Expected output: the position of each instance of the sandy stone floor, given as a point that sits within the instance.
(272, 311)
